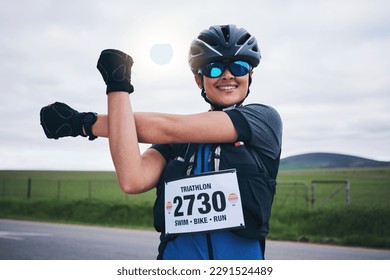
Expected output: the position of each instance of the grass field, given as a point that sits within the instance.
(95, 198)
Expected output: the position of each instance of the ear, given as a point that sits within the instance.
(250, 79)
(199, 81)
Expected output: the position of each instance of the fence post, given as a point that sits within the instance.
(347, 197)
(58, 189)
(313, 196)
(29, 188)
(306, 195)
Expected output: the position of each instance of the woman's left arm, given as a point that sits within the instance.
(207, 127)
(162, 128)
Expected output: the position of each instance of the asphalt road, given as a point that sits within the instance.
(22, 240)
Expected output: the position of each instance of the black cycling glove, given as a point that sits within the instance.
(60, 120)
(115, 67)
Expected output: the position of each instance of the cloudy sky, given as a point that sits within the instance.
(325, 67)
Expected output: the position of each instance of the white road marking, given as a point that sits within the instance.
(20, 235)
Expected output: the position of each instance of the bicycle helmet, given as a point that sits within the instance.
(223, 42)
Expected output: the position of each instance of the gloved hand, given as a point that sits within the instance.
(60, 120)
(115, 67)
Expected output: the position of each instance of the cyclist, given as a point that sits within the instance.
(215, 172)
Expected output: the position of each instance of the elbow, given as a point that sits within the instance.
(129, 186)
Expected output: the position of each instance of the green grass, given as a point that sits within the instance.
(357, 226)
(90, 212)
(368, 186)
(364, 222)
(95, 198)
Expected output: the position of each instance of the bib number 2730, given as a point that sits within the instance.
(203, 203)
(216, 203)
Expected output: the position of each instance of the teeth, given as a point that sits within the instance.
(227, 87)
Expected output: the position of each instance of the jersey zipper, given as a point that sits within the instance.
(200, 167)
(204, 159)
(210, 246)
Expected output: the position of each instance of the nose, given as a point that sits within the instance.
(227, 75)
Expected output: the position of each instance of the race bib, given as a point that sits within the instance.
(203, 202)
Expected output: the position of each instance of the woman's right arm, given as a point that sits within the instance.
(136, 172)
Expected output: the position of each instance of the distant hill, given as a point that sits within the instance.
(328, 160)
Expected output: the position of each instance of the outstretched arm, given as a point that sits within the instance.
(138, 173)
(161, 128)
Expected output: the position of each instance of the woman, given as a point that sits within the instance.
(214, 171)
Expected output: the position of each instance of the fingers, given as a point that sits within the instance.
(115, 68)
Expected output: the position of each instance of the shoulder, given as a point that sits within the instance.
(258, 125)
(257, 109)
(256, 113)
(265, 112)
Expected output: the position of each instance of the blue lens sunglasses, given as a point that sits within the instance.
(215, 69)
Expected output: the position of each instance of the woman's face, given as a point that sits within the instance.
(225, 90)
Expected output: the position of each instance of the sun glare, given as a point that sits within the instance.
(159, 52)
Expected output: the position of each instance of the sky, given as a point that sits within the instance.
(325, 67)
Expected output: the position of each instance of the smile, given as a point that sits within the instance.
(226, 87)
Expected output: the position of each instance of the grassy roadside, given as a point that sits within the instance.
(87, 212)
(366, 222)
(354, 226)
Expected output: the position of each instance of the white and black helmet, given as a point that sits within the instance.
(223, 42)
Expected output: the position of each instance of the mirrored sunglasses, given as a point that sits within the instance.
(216, 69)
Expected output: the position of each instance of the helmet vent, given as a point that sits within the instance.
(255, 48)
(226, 32)
(208, 40)
(243, 39)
